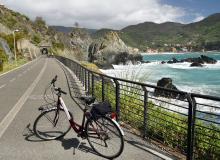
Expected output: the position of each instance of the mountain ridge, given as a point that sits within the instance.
(200, 35)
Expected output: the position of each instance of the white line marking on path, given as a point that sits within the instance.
(2, 86)
(13, 112)
(13, 79)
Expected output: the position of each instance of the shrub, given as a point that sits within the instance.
(36, 39)
(58, 46)
(3, 56)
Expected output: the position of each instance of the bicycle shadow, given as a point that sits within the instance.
(76, 145)
(67, 144)
(29, 134)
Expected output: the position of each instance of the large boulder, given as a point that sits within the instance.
(174, 60)
(194, 60)
(196, 64)
(167, 83)
(202, 59)
(105, 47)
(208, 60)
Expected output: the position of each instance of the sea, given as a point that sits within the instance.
(202, 80)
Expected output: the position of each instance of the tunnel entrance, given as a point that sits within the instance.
(44, 51)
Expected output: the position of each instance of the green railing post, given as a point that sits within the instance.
(93, 93)
(103, 89)
(191, 127)
(89, 82)
(145, 110)
(117, 98)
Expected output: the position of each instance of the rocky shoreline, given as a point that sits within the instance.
(195, 62)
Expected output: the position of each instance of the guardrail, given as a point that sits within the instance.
(189, 123)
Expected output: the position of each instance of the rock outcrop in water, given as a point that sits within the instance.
(202, 60)
(174, 60)
(208, 60)
(167, 83)
(197, 61)
(196, 64)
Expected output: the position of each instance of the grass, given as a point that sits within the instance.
(9, 66)
(90, 66)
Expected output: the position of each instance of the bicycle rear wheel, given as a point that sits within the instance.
(49, 125)
(105, 137)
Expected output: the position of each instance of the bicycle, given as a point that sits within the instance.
(103, 133)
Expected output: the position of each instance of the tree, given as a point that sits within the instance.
(39, 22)
(76, 24)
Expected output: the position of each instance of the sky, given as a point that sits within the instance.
(115, 14)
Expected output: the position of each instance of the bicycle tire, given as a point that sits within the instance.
(104, 126)
(45, 129)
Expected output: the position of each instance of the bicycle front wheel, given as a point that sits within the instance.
(105, 137)
(51, 124)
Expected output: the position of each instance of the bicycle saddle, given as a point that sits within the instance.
(88, 99)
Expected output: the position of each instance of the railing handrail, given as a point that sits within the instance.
(88, 77)
(195, 95)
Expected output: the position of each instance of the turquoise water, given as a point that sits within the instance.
(205, 80)
(202, 80)
(167, 56)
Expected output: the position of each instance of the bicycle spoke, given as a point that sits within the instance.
(109, 141)
(45, 128)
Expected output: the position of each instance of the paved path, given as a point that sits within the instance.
(21, 95)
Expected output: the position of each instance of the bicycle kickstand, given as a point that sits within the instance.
(74, 149)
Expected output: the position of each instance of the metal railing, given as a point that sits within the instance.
(188, 122)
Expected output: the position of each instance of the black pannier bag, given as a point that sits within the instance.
(100, 109)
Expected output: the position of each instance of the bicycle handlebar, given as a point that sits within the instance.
(59, 90)
(54, 80)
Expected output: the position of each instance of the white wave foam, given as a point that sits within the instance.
(186, 65)
(182, 106)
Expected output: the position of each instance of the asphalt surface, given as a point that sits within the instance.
(18, 140)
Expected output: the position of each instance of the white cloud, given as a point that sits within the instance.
(198, 18)
(98, 13)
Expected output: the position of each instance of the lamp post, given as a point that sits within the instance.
(15, 45)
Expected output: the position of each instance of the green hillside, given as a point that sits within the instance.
(101, 33)
(204, 34)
